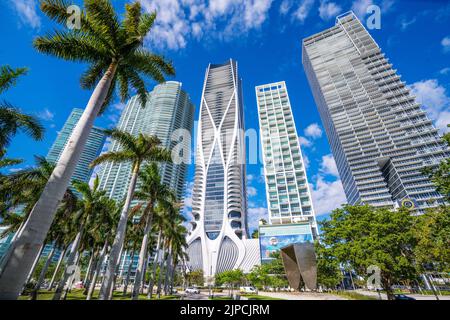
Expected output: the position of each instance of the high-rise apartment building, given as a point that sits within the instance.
(287, 190)
(219, 202)
(167, 110)
(91, 151)
(379, 134)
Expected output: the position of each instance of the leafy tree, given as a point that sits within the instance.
(230, 278)
(195, 278)
(255, 234)
(259, 277)
(433, 239)
(362, 236)
(328, 272)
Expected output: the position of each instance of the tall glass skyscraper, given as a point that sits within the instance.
(379, 135)
(91, 151)
(287, 190)
(219, 202)
(168, 109)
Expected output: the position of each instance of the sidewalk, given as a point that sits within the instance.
(301, 295)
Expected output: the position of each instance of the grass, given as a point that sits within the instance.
(77, 294)
(352, 295)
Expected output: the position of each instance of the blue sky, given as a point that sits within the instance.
(264, 36)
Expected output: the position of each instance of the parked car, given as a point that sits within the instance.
(402, 297)
(248, 290)
(192, 290)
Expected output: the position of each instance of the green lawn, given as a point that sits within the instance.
(77, 294)
(352, 295)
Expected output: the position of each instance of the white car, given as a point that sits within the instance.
(250, 290)
(192, 291)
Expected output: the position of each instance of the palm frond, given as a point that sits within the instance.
(73, 46)
(103, 19)
(9, 76)
(114, 157)
(132, 17)
(126, 140)
(146, 22)
(12, 121)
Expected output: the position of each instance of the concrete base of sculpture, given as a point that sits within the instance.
(300, 264)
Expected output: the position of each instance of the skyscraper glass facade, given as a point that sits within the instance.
(380, 137)
(287, 190)
(219, 201)
(168, 109)
(91, 151)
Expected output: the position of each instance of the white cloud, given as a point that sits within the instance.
(328, 166)
(327, 195)
(443, 121)
(435, 101)
(329, 10)
(445, 71)
(179, 21)
(303, 10)
(306, 161)
(251, 191)
(446, 44)
(359, 7)
(26, 10)
(304, 142)
(115, 111)
(285, 6)
(254, 215)
(313, 131)
(46, 115)
(406, 23)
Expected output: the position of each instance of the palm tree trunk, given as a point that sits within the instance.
(119, 238)
(70, 262)
(141, 291)
(35, 230)
(172, 276)
(127, 279)
(98, 269)
(115, 274)
(168, 265)
(89, 269)
(155, 263)
(161, 266)
(72, 279)
(35, 263)
(142, 258)
(58, 265)
(43, 273)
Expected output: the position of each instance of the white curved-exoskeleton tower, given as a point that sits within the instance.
(219, 202)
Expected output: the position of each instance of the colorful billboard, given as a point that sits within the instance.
(274, 237)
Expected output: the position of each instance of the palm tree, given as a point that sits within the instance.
(92, 202)
(152, 189)
(136, 150)
(99, 235)
(57, 235)
(23, 189)
(9, 76)
(115, 53)
(132, 239)
(11, 119)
